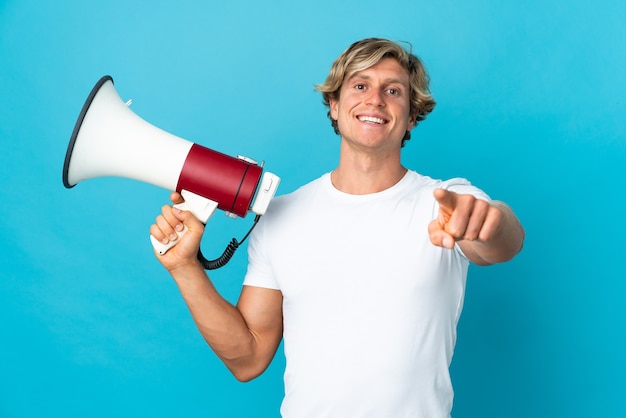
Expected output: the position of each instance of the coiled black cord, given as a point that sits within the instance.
(228, 253)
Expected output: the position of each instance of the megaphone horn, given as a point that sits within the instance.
(109, 139)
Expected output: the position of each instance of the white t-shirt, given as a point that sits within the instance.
(370, 305)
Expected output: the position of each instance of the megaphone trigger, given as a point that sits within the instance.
(201, 207)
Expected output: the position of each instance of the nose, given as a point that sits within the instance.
(375, 98)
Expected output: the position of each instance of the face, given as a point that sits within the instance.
(373, 106)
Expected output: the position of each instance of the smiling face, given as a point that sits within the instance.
(373, 107)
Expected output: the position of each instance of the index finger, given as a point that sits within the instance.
(176, 198)
(445, 198)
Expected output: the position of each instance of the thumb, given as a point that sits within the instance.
(436, 229)
(438, 236)
(187, 217)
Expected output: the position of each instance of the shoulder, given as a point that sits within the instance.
(463, 186)
(298, 198)
(414, 180)
(456, 184)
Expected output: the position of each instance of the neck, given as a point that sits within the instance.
(365, 173)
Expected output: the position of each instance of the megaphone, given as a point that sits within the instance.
(109, 139)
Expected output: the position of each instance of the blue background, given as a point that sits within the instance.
(531, 105)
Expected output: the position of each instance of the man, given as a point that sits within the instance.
(362, 271)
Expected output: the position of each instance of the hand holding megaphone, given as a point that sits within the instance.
(174, 223)
(110, 140)
(200, 207)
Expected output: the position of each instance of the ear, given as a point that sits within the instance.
(412, 120)
(334, 108)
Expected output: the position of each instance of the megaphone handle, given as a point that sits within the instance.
(163, 248)
(201, 207)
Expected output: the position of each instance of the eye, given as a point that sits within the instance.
(359, 86)
(393, 91)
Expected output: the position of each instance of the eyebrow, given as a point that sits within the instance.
(367, 77)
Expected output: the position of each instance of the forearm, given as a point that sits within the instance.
(245, 337)
(504, 244)
(220, 323)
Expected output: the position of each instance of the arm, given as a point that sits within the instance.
(246, 336)
(487, 232)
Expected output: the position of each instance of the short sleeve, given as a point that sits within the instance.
(463, 186)
(259, 273)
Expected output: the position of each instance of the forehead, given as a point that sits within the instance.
(387, 69)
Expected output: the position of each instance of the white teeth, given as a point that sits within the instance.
(371, 119)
